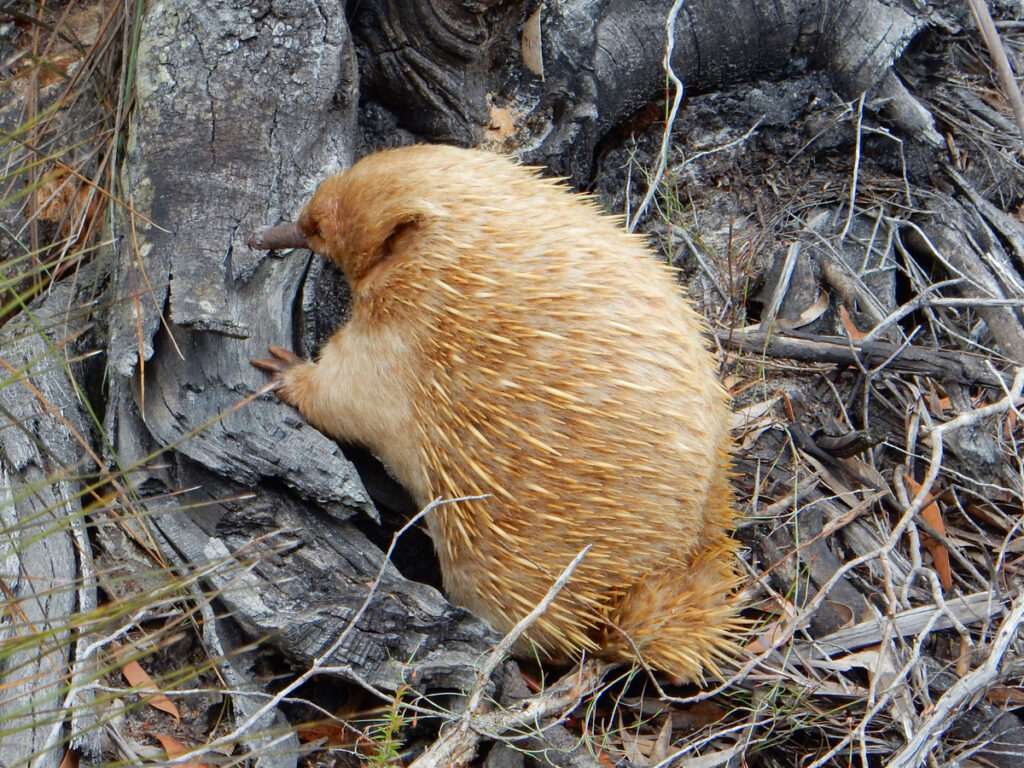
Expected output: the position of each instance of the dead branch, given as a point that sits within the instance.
(929, 730)
(910, 622)
(966, 246)
(677, 100)
(319, 664)
(944, 365)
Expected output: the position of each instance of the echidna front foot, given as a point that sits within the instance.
(283, 360)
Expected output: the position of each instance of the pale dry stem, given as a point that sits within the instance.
(458, 741)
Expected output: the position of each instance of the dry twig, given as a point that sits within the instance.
(677, 100)
(995, 47)
(936, 434)
(929, 730)
(457, 743)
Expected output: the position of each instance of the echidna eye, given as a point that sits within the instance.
(310, 225)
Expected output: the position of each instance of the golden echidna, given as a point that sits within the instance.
(506, 338)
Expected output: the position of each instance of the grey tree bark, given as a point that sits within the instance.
(452, 72)
(41, 555)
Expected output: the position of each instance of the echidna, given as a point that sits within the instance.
(506, 338)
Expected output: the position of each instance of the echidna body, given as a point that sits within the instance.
(508, 339)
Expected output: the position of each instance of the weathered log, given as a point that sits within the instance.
(454, 71)
(299, 579)
(44, 557)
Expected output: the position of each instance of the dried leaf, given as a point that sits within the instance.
(876, 661)
(963, 659)
(753, 420)
(810, 313)
(868, 659)
(172, 746)
(713, 759)
(325, 733)
(867, 472)
(664, 742)
(139, 678)
(630, 745)
(842, 612)
(175, 748)
(833, 482)
(698, 715)
(644, 750)
(932, 516)
(754, 412)
(851, 330)
(71, 759)
(768, 636)
(995, 100)
(1001, 695)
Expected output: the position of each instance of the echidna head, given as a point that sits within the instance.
(368, 215)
